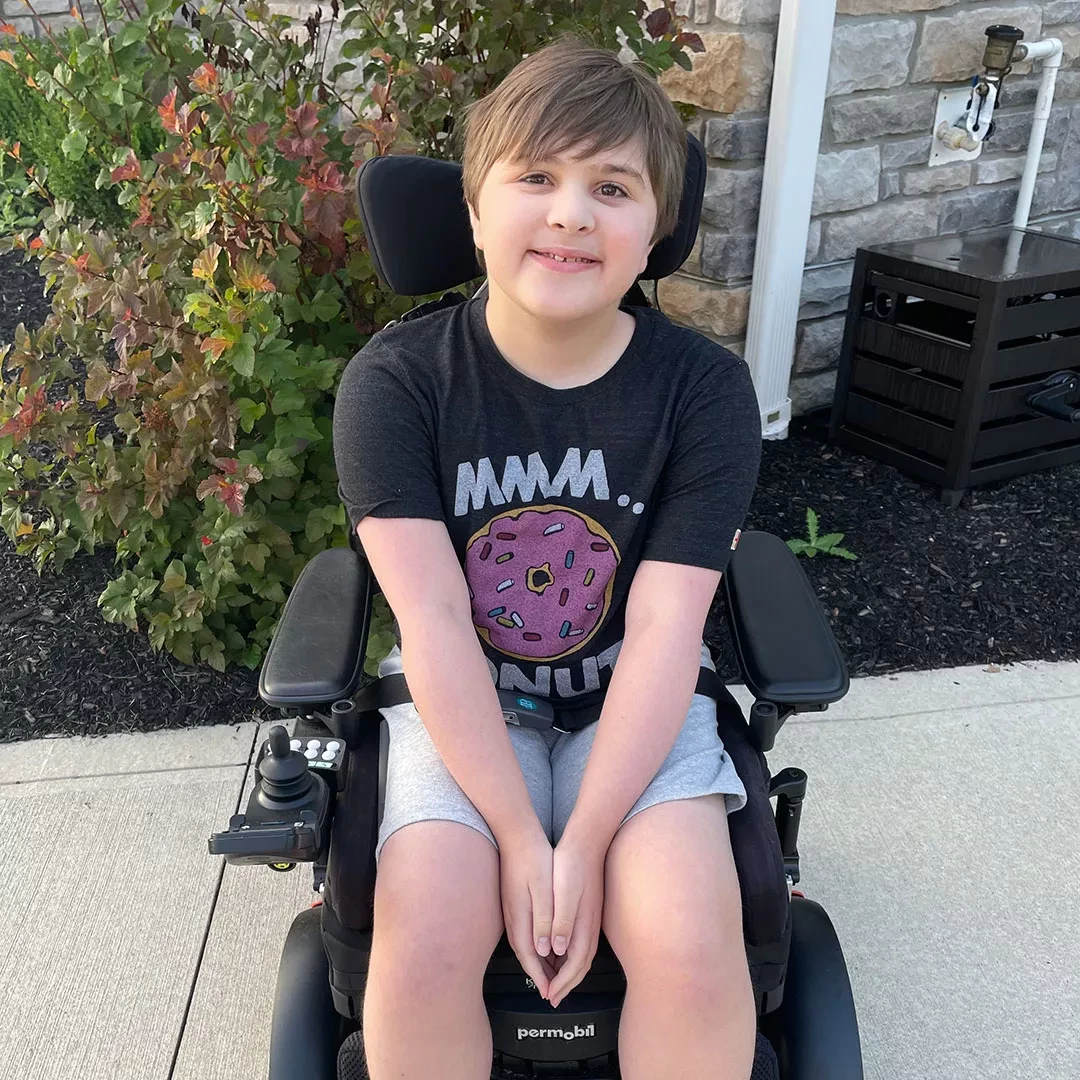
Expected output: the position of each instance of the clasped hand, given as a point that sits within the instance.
(552, 902)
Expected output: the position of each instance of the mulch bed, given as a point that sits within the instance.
(994, 581)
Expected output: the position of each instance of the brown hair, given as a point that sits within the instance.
(568, 93)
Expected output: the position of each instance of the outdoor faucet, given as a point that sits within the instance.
(1002, 47)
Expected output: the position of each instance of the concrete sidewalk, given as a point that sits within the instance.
(940, 833)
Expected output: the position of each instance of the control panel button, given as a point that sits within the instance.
(334, 745)
(294, 744)
(311, 755)
(329, 755)
(314, 744)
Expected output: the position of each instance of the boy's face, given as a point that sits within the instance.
(607, 214)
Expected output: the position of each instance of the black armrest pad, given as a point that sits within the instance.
(783, 640)
(316, 656)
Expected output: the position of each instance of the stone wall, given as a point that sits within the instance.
(889, 60)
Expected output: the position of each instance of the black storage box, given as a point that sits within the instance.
(961, 357)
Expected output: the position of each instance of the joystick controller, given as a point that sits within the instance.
(287, 819)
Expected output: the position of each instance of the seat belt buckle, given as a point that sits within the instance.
(523, 711)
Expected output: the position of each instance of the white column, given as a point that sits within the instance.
(803, 49)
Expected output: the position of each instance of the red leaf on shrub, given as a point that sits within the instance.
(227, 465)
(36, 243)
(659, 22)
(692, 40)
(167, 111)
(215, 345)
(205, 78)
(31, 410)
(129, 170)
(146, 212)
(206, 541)
(257, 134)
(232, 495)
(7, 28)
(306, 118)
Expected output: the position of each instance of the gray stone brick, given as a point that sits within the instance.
(1060, 191)
(1013, 130)
(869, 55)
(977, 207)
(732, 198)
(736, 139)
(818, 344)
(897, 219)
(1025, 90)
(813, 242)
(939, 178)
(727, 256)
(42, 7)
(747, 11)
(812, 391)
(951, 44)
(25, 24)
(1045, 197)
(890, 183)
(825, 290)
(870, 117)
(846, 180)
(1060, 11)
(901, 152)
(999, 169)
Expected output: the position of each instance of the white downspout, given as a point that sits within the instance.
(800, 74)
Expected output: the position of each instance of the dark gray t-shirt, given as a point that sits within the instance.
(551, 497)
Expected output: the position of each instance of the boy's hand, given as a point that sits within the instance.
(578, 890)
(525, 867)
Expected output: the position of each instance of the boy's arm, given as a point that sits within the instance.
(647, 700)
(445, 668)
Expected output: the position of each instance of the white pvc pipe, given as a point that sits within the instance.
(1049, 51)
(800, 74)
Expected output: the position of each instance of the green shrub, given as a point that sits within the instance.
(212, 327)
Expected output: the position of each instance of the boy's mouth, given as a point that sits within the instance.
(562, 261)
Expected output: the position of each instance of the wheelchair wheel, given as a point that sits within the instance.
(815, 1031)
(306, 1030)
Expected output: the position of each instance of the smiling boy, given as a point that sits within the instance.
(548, 483)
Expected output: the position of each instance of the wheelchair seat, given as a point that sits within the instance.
(418, 232)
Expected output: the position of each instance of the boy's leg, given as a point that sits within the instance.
(438, 918)
(673, 916)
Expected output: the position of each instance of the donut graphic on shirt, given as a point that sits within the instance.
(540, 580)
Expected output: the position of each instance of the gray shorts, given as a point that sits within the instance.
(419, 787)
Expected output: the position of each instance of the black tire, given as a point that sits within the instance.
(818, 1030)
(306, 1029)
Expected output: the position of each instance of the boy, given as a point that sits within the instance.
(544, 481)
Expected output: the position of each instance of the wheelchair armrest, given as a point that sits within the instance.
(783, 641)
(316, 655)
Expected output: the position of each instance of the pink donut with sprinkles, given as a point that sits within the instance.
(540, 580)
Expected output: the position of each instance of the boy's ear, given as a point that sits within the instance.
(474, 221)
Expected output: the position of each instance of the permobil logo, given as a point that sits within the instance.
(578, 1032)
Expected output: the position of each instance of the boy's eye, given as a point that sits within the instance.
(606, 184)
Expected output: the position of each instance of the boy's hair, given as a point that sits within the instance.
(568, 93)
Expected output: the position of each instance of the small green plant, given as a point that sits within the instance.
(826, 544)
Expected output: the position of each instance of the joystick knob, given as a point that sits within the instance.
(284, 771)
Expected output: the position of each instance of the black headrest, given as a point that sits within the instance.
(417, 223)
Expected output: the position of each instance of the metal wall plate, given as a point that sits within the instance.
(951, 107)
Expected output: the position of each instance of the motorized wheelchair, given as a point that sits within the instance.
(318, 798)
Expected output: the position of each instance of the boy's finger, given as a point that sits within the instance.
(542, 904)
(573, 970)
(562, 923)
